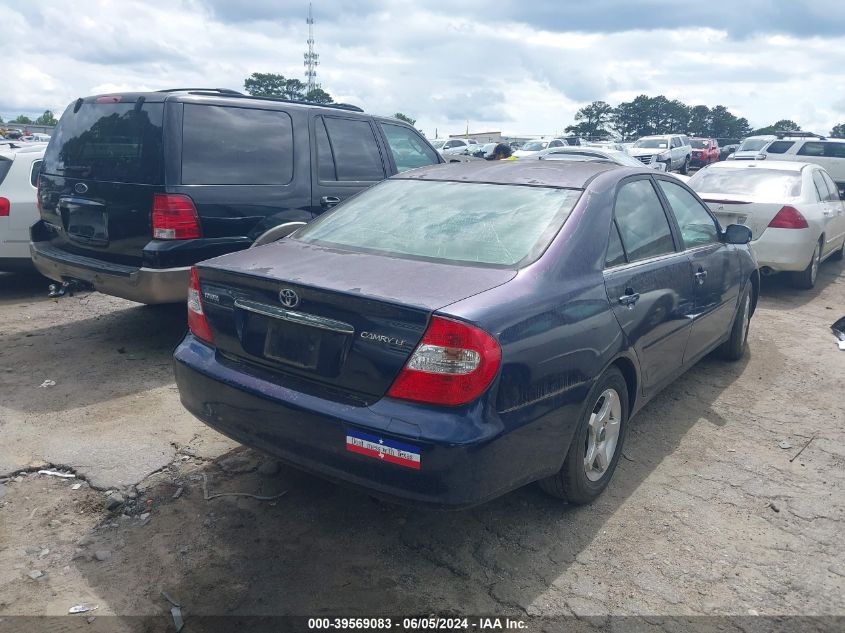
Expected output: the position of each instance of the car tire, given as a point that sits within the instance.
(577, 481)
(734, 348)
(806, 279)
(685, 166)
(840, 254)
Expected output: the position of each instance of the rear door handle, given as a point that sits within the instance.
(629, 299)
(701, 275)
(327, 202)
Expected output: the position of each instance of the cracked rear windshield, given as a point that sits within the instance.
(115, 142)
(500, 225)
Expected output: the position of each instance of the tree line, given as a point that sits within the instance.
(45, 119)
(644, 116)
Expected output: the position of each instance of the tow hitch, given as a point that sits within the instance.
(68, 288)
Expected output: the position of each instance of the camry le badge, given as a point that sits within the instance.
(80, 187)
(289, 298)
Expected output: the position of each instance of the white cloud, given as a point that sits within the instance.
(517, 67)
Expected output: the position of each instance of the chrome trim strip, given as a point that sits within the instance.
(294, 317)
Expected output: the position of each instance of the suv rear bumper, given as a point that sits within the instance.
(145, 285)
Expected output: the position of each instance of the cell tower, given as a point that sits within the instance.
(312, 59)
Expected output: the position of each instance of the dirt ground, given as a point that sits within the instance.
(708, 513)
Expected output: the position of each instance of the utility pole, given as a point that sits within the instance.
(312, 59)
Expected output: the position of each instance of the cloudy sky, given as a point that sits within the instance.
(522, 67)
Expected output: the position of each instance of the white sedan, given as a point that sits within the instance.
(796, 217)
(19, 167)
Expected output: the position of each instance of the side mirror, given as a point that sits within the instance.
(737, 234)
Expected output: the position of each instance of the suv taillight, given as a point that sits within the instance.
(197, 322)
(174, 217)
(788, 218)
(453, 365)
(5, 207)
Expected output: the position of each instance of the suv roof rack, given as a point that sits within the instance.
(786, 133)
(225, 91)
(240, 95)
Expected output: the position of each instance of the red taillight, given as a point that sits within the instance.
(174, 217)
(453, 364)
(5, 206)
(788, 218)
(197, 322)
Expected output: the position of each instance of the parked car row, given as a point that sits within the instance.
(434, 332)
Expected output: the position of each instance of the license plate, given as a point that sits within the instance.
(88, 225)
(293, 344)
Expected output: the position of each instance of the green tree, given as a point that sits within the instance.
(265, 85)
(46, 119)
(838, 131)
(22, 118)
(678, 116)
(632, 118)
(405, 118)
(318, 95)
(594, 120)
(699, 121)
(784, 125)
(273, 85)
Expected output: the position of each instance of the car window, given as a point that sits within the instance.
(834, 189)
(642, 223)
(5, 166)
(676, 142)
(615, 251)
(326, 170)
(236, 146)
(835, 150)
(779, 147)
(822, 192)
(812, 148)
(555, 144)
(408, 149)
(476, 223)
(697, 226)
(33, 174)
(355, 150)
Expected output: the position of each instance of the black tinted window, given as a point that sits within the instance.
(236, 146)
(355, 150)
(835, 150)
(325, 160)
(834, 189)
(779, 147)
(642, 223)
(33, 174)
(5, 166)
(823, 193)
(117, 142)
(697, 226)
(408, 149)
(812, 148)
(615, 252)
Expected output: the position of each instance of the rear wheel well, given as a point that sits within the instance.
(755, 289)
(629, 373)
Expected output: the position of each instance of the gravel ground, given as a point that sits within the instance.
(708, 514)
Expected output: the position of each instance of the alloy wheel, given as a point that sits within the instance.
(602, 434)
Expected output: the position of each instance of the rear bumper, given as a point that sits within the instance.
(466, 456)
(145, 285)
(784, 249)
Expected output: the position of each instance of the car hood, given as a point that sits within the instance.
(645, 151)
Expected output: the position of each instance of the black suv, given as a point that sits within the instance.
(135, 188)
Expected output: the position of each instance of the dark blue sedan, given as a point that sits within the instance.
(458, 331)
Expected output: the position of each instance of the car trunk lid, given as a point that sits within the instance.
(739, 209)
(338, 323)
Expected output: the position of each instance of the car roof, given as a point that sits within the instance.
(782, 165)
(570, 175)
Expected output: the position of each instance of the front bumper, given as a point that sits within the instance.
(784, 249)
(466, 456)
(145, 285)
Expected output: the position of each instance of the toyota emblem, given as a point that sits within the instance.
(289, 298)
(80, 187)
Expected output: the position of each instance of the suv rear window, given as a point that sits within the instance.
(779, 147)
(116, 142)
(5, 166)
(236, 146)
